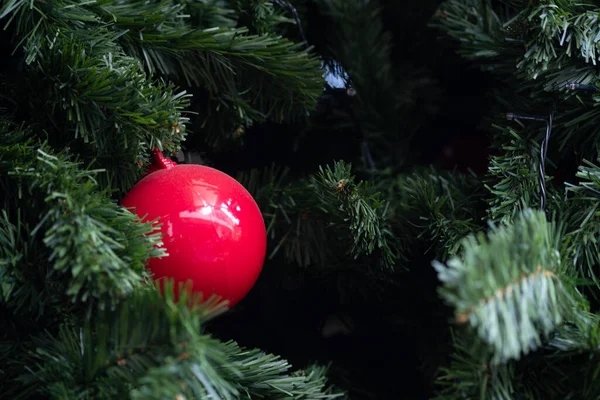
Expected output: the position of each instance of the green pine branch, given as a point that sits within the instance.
(565, 366)
(481, 33)
(363, 211)
(513, 177)
(470, 375)
(573, 350)
(279, 58)
(510, 286)
(99, 101)
(23, 290)
(248, 77)
(538, 50)
(562, 30)
(515, 288)
(274, 380)
(64, 236)
(94, 56)
(285, 208)
(151, 347)
(537, 37)
(101, 96)
(315, 220)
(210, 13)
(582, 213)
(434, 208)
(575, 125)
(260, 16)
(582, 335)
(27, 288)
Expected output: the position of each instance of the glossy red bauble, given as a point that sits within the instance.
(213, 230)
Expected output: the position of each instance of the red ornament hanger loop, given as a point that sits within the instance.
(160, 161)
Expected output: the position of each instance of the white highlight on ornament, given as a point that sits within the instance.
(232, 217)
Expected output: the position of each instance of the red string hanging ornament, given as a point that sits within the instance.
(213, 230)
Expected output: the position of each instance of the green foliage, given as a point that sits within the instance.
(286, 207)
(583, 221)
(554, 49)
(273, 381)
(20, 290)
(260, 16)
(152, 347)
(480, 32)
(362, 210)
(274, 79)
(109, 103)
(98, 85)
(68, 237)
(538, 51)
(99, 100)
(571, 361)
(95, 56)
(468, 375)
(510, 286)
(315, 220)
(564, 367)
(249, 73)
(209, 13)
(513, 174)
(563, 30)
(435, 209)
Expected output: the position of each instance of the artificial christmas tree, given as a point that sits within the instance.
(431, 226)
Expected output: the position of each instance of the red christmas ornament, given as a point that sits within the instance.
(213, 230)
